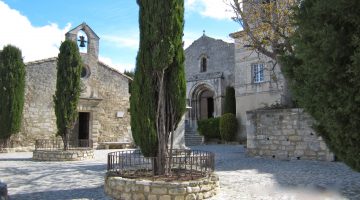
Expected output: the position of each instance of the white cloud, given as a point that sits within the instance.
(217, 9)
(130, 42)
(118, 66)
(35, 42)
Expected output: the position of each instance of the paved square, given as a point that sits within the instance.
(240, 177)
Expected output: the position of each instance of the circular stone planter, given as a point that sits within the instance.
(133, 189)
(61, 155)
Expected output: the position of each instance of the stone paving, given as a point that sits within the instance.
(241, 177)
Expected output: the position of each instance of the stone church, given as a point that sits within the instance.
(104, 102)
(209, 69)
(212, 64)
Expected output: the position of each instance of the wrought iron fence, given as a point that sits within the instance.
(180, 163)
(58, 144)
(4, 143)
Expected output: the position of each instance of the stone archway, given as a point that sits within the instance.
(202, 102)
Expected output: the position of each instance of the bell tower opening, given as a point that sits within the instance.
(82, 41)
(86, 39)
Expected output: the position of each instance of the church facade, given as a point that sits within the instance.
(211, 65)
(103, 106)
(209, 69)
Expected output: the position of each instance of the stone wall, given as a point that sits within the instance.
(284, 134)
(59, 155)
(105, 93)
(250, 95)
(39, 121)
(131, 189)
(218, 75)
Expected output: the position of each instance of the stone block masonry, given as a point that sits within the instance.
(284, 134)
(59, 155)
(135, 189)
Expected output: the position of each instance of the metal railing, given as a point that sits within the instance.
(193, 163)
(5, 143)
(58, 144)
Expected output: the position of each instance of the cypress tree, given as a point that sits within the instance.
(230, 101)
(12, 87)
(66, 98)
(324, 72)
(158, 89)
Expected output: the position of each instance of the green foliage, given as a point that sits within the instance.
(324, 72)
(12, 87)
(68, 88)
(209, 128)
(228, 127)
(129, 73)
(158, 90)
(230, 101)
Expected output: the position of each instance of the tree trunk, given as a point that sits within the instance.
(161, 127)
(65, 139)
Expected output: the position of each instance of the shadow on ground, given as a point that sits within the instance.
(85, 193)
(318, 175)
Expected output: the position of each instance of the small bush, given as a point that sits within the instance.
(228, 127)
(209, 128)
(230, 101)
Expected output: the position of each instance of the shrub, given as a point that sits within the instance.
(228, 127)
(230, 101)
(209, 128)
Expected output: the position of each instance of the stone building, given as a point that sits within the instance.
(104, 102)
(209, 69)
(259, 82)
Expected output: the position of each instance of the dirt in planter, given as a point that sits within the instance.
(176, 175)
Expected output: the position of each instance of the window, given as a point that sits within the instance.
(85, 72)
(258, 73)
(203, 64)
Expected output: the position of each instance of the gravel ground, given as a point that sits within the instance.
(240, 177)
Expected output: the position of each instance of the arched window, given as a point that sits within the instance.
(203, 65)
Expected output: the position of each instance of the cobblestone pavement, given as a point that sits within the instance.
(240, 177)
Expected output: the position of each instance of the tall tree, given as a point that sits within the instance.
(158, 89)
(12, 87)
(324, 72)
(66, 98)
(266, 25)
(129, 73)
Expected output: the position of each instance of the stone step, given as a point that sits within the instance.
(192, 138)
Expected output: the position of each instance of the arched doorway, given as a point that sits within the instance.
(202, 103)
(206, 104)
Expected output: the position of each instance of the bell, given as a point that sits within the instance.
(82, 41)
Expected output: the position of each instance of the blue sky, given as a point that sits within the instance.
(38, 26)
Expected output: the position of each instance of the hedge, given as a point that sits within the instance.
(209, 128)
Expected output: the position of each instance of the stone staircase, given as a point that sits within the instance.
(192, 138)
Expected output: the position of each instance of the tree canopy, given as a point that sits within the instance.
(158, 89)
(12, 88)
(324, 72)
(68, 88)
(266, 25)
